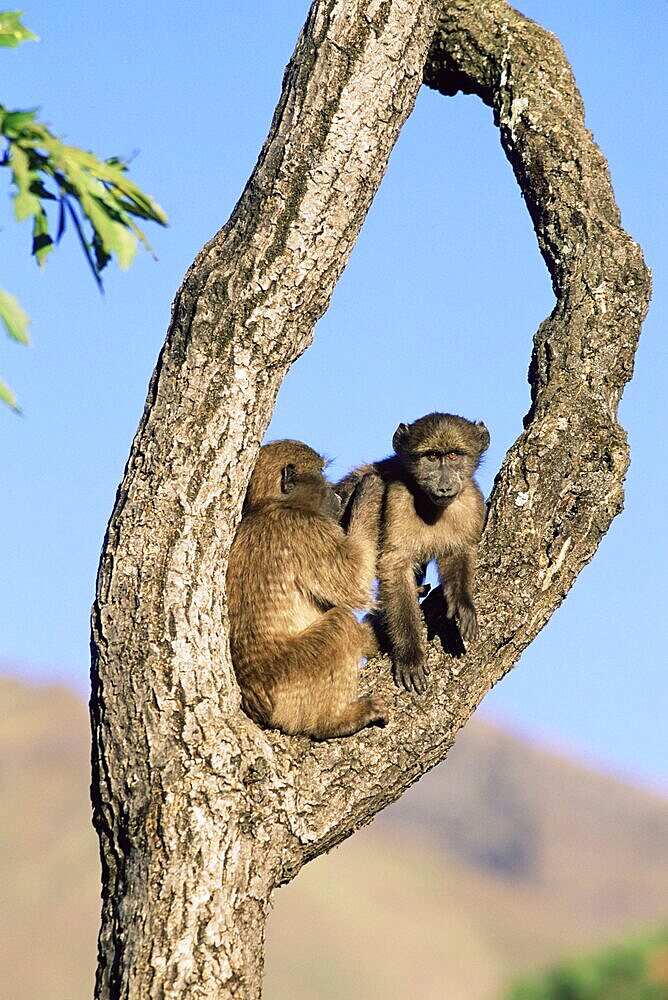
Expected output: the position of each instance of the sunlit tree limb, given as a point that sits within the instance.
(201, 814)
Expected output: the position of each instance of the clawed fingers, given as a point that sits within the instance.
(412, 676)
(468, 624)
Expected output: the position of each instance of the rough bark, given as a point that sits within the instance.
(201, 814)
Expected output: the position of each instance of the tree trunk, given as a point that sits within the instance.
(201, 814)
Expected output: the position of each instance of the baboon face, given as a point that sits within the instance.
(292, 473)
(440, 476)
(440, 453)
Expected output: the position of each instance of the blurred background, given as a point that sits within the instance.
(543, 840)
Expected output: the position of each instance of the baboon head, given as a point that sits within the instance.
(440, 453)
(292, 473)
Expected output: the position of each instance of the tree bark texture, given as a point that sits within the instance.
(201, 814)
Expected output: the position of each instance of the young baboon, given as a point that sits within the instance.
(432, 509)
(293, 580)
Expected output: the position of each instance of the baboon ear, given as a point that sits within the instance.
(288, 478)
(399, 437)
(484, 436)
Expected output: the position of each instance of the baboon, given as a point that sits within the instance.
(293, 580)
(432, 508)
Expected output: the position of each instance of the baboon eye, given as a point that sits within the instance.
(432, 456)
(452, 455)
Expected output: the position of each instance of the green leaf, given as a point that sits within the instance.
(42, 244)
(113, 173)
(8, 397)
(102, 258)
(15, 319)
(107, 220)
(25, 202)
(37, 187)
(12, 32)
(84, 244)
(92, 191)
(14, 121)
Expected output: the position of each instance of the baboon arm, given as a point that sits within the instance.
(364, 511)
(344, 570)
(350, 575)
(346, 486)
(457, 570)
(402, 621)
(457, 573)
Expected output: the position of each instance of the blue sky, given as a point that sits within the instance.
(436, 310)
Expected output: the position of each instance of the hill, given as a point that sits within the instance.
(49, 882)
(503, 859)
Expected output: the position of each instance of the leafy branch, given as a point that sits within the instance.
(95, 196)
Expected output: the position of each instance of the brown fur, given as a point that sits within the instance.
(293, 580)
(432, 509)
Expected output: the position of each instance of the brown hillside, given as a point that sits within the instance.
(504, 858)
(49, 883)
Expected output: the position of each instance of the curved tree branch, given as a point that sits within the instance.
(200, 814)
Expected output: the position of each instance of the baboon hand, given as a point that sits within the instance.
(411, 673)
(369, 489)
(363, 510)
(463, 609)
